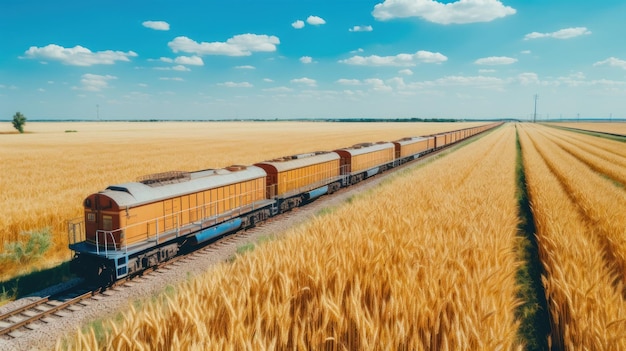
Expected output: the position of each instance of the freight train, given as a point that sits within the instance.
(130, 227)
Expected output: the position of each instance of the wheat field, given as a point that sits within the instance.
(604, 127)
(47, 172)
(426, 261)
(580, 213)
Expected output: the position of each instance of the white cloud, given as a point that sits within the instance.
(95, 82)
(279, 89)
(245, 67)
(528, 78)
(189, 60)
(166, 59)
(315, 20)
(268, 80)
(236, 85)
(525, 52)
(406, 72)
(566, 33)
(577, 75)
(613, 62)
(361, 29)
(397, 81)
(377, 84)
(344, 81)
(480, 81)
(608, 83)
(176, 79)
(180, 68)
(495, 60)
(239, 45)
(137, 95)
(304, 81)
(482, 70)
(357, 51)
(306, 59)
(78, 55)
(458, 12)
(298, 24)
(397, 60)
(156, 25)
(574, 79)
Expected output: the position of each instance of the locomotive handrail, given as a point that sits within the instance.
(106, 242)
(76, 232)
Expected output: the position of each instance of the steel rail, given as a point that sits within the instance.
(42, 314)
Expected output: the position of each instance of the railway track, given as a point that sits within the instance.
(50, 309)
(44, 310)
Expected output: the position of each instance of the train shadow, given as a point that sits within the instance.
(32, 283)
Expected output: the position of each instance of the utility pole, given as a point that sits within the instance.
(535, 114)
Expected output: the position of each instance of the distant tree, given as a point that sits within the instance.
(18, 121)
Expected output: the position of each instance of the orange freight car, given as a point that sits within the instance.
(303, 177)
(164, 205)
(413, 147)
(365, 160)
(440, 140)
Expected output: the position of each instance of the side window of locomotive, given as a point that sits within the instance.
(91, 217)
(107, 223)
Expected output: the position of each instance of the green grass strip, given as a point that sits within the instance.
(533, 313)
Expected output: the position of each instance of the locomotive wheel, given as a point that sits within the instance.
(105, 276)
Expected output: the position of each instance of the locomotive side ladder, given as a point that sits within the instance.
(121, 266)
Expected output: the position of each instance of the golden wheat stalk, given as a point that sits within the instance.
(584, 297)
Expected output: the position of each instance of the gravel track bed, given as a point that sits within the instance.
(117, 299)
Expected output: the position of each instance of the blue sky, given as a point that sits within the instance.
(312, 59)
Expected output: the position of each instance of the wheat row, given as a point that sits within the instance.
(586, 178)
(573, 207)
(603, 127)
(426, 261)
(590, 150)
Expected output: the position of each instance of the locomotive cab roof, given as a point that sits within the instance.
(132, 194)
